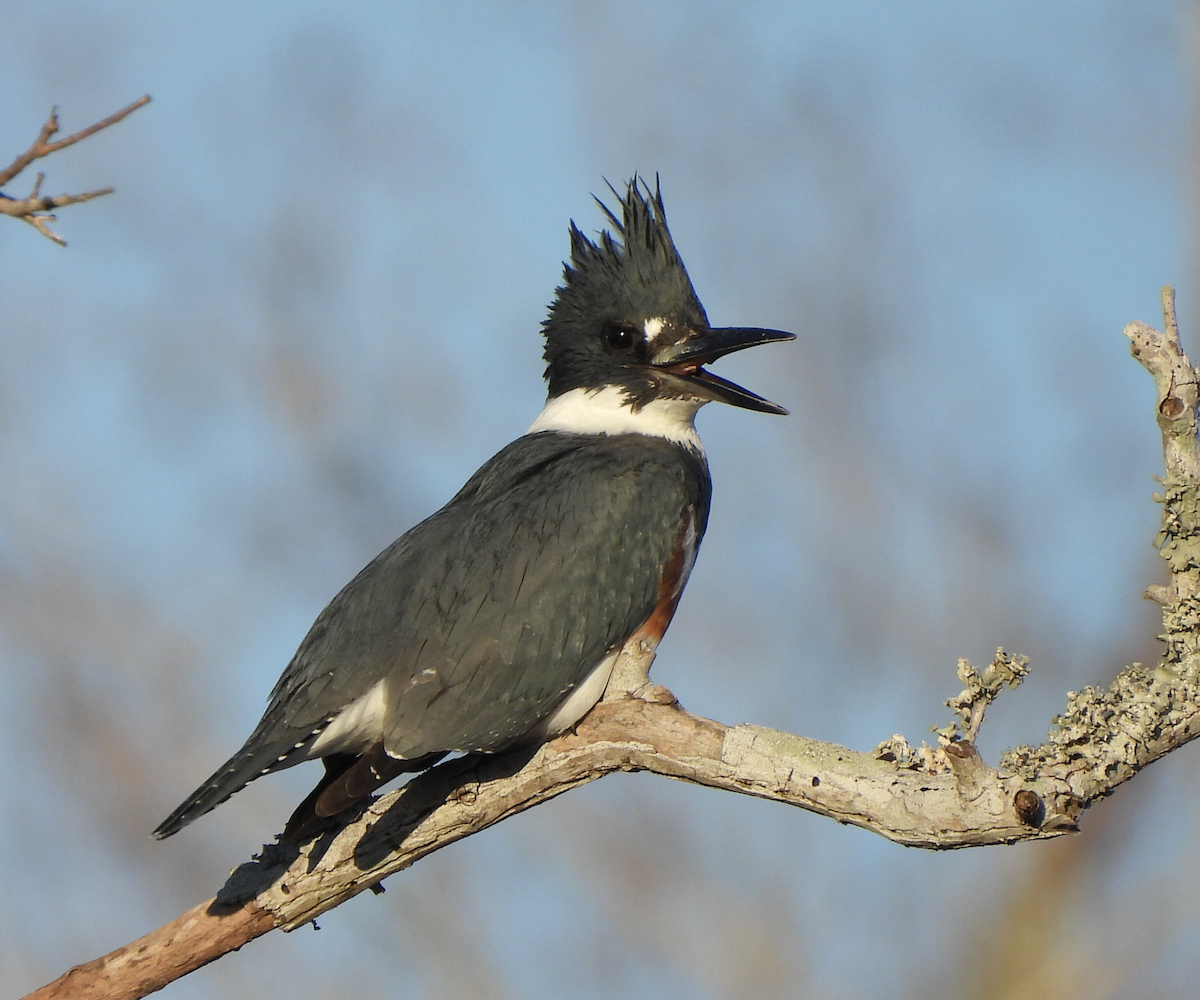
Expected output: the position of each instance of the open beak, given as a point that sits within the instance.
(685, 359)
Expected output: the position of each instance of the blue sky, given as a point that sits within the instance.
(311, 310)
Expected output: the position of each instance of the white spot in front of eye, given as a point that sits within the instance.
(653, 328)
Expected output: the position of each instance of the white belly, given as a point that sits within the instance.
(355, 727)
(580, 701)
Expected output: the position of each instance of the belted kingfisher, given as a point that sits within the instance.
(497, 621)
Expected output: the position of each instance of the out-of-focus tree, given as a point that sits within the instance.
(288, 392)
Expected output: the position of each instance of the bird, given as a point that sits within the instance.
(496, 622)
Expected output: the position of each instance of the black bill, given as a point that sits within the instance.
(685, 361)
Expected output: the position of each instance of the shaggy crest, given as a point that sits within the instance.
(628, 275)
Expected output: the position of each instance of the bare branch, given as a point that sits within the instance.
(934, 798)
(35, 208)
(42, 147)
(191, 940)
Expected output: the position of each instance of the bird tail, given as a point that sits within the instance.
(256, 758)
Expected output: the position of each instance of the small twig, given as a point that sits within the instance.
(35, 209)
(969, 705)
(1170, 324)
(1163, 356)
(41, 147)
(980, 691)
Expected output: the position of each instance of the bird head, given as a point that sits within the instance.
(626, 316)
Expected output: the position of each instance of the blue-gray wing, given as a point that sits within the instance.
(482, 619)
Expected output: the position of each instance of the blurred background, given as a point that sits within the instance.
(311, 310)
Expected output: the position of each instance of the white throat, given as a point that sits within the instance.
(607, 411)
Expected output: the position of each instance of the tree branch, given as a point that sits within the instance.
(938, 798)
(35, 209)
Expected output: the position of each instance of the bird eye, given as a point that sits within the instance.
(620, 338)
